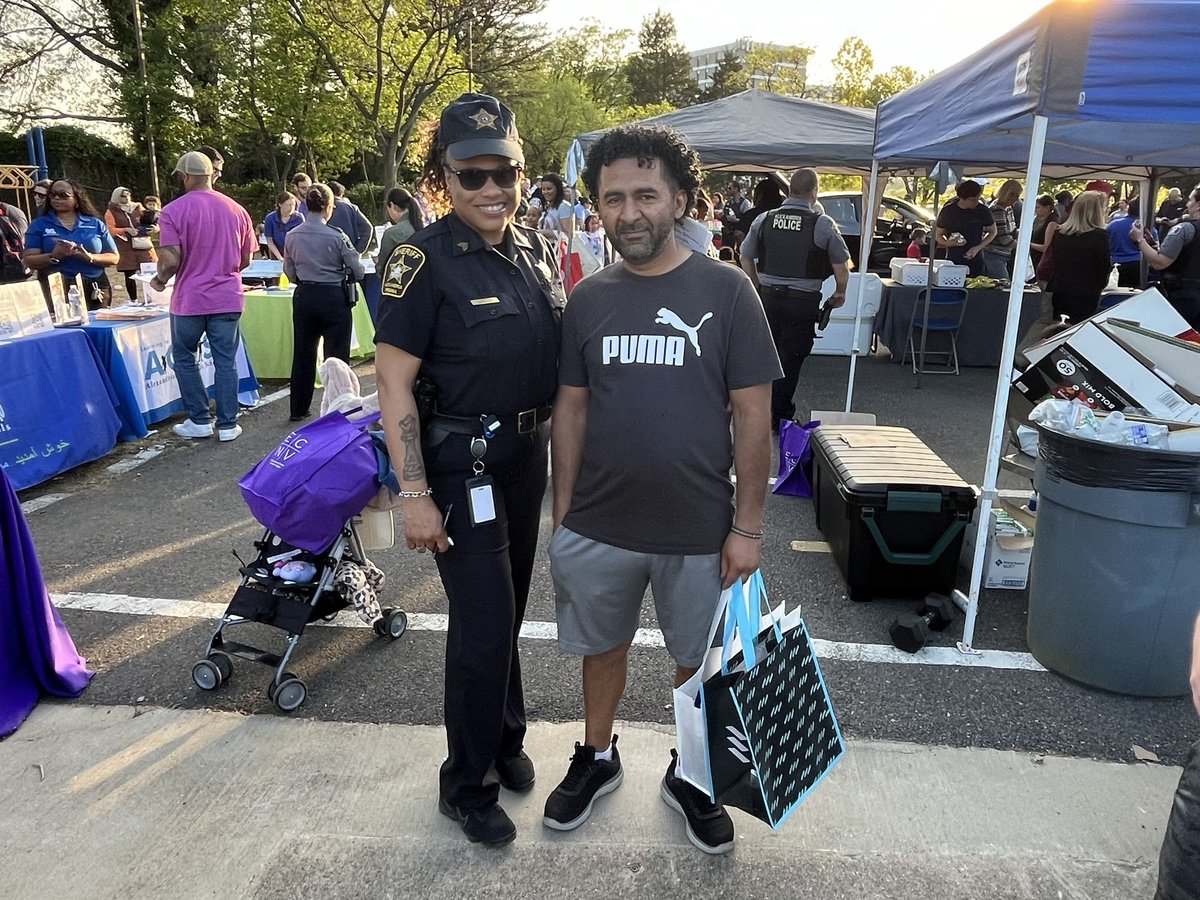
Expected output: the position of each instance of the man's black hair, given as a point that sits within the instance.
(339, 189)
(680, 163)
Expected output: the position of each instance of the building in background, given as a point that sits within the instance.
(704, 62)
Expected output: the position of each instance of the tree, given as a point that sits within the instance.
(853, 66)
(660, 71)
(783, 70)
(729, 77)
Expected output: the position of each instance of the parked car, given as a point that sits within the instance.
(893, 228)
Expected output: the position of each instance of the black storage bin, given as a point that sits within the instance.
(892, 511)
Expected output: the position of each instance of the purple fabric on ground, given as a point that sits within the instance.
(37, 655)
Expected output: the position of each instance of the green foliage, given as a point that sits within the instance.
(256, 197)
(71, 152)
(370, 198)
(855, 82)
(783, 70)
(729, 77)
(660, 70)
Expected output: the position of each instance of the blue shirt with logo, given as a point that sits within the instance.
(89, 232)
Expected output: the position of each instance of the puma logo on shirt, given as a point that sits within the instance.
(654, 349)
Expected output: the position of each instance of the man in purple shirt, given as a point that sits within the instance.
(205, 241)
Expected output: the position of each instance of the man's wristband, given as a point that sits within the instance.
(742, 532)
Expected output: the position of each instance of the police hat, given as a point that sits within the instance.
(479, 125)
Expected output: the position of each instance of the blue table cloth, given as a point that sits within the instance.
(137, 357)
(57, 406)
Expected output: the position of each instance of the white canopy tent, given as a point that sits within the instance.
(1081, 88)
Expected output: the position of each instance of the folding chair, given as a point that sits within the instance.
(946, 309)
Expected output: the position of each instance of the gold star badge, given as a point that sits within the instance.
(483, 119)
(402, 268)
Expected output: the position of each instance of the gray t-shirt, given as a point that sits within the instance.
(659, 356)
(825, 235)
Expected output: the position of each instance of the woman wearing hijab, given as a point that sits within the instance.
(134, 244)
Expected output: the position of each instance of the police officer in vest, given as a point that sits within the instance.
(1178, 258)
(788, 253)
(467, 354)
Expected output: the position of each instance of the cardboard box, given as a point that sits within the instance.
(1174, 361)
(1007, 555)
(1149, 309)
(1094, 368)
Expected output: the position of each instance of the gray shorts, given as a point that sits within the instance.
(598, 591)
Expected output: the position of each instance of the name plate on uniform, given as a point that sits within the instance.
(23, 310)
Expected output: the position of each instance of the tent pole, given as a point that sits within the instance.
(1148, 209)
(1033, 175)
(929, 277)
(864, 253)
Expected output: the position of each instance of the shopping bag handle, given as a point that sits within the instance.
(759, 587)
(737, 620)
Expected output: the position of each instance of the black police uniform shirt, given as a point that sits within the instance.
(483, 320)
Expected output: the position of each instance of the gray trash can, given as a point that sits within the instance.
(1115, 577)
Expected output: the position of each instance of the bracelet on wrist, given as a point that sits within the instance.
(413, 495)
(742, 532)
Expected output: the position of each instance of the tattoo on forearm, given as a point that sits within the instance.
(414, 466)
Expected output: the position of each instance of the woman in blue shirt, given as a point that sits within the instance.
(279, 222)
(72, 239)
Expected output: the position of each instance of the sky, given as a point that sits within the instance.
(927, 35)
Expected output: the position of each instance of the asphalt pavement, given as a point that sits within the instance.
(130, 544)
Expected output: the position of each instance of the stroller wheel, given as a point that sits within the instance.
(394, 623)
(290, 694)
(206, 675)
(287, 676)
(224, 663)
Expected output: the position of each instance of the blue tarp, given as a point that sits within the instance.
(1115, 78)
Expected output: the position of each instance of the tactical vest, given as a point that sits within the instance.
(1185, 271)
(788, 246)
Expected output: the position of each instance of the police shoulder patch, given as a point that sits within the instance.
(402, 268)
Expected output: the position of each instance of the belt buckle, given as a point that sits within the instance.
(526, 421)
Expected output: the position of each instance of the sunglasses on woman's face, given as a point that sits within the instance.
(40, 195)
(61, 195)
(474, 179)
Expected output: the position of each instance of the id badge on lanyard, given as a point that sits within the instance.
(481, 501)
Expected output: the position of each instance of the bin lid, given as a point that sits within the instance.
(875, 458)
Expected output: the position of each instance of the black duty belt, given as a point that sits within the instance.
(521, 423)
(784, 290)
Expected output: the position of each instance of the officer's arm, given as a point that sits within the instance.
(751, 460)
(396, 371)
(749, 250)
(566, 445)
(841, 280)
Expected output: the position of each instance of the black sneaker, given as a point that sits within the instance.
(515, 772)
(587, 778)
(488, 825)
(708, 825)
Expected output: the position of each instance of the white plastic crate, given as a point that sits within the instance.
(950, 275)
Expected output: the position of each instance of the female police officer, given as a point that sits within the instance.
(469, 316)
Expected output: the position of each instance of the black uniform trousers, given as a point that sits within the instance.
(1186, 301)
(1179, 859)
(486, 575)
(793, 316)
(319, 312)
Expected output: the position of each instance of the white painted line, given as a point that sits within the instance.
(144, 456)
(811, 547)
(32, 506)
(548, 631)
(271, 398)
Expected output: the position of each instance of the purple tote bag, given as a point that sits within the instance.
(795, 459)
(316, 479)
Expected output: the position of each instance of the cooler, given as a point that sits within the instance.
(837, 338)
(891, 510)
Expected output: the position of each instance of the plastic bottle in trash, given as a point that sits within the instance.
(74, 303)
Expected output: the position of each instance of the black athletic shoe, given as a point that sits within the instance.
(587, 778)
(708, 825)
(516, 772)
(488, 825)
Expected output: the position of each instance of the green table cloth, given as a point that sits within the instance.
(267, 332)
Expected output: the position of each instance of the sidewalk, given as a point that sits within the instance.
(174, 804)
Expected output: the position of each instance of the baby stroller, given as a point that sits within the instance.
(310, 561)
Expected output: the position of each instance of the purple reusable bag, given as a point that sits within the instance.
(316, 479)
(795, 459)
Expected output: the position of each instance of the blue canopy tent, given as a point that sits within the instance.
(1084, 87)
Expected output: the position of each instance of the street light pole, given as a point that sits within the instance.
(471, 51)
(145, 86)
